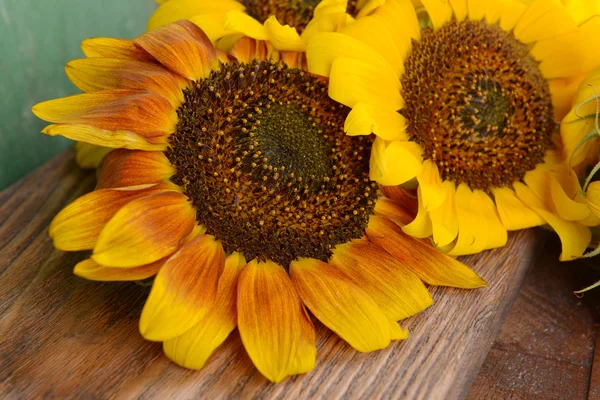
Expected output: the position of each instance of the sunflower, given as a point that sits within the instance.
(580, 129)
(467, 109)
(287, 24)
(233, 184)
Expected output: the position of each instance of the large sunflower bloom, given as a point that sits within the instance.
(287, 24)
(468, 109)
(234, 184)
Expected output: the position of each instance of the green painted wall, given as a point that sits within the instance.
(37, 38)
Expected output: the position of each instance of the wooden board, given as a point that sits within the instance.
(545, 348)
(63, 336)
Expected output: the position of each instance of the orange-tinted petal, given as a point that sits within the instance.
(101, 137)
(194, 347)
(145, 230)
(89, 155)
(114, 48)
(184, 289)
(428, 263)
(140, 111)
(270, 320)
(341, 305)
(248, 49)
(396, 290)
(91, 270)
(182, 47)
(79, 224)
(129, 168)
(392, 210)
(96, 74)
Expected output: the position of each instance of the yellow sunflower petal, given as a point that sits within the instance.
(183, 290)
(365, 119)
(145, 230)
(511, 13)
(114, 48)
(90, 156)
(459, 7)
(421, 226)
(566, 207)
(478, 222)
(328, 22)
(440, 12)
(513, 213)
(238, 21)
(139, 111)
(574, 236)
(325, 47)
(477, 9)
(283, 37)
(443, 219)
(79, 224)
(105, 138)
(353, 81)
(123, 168)
(91, 270)
(593, 197)
(428, 263)
(341, 305)
(430, 184)
(194, 347)
(394, 163)
(398, 292)
(270, 320)
(377, 33)
(181, 47)
(176, 10)
(541, 14)
(97, 74)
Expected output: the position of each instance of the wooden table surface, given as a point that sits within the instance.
(548, 346)
(63, 336)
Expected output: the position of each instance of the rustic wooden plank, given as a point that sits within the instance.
(546, 345)
(594, 390)
(64, 336)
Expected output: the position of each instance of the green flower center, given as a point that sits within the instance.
(478, 104)
(261, 152)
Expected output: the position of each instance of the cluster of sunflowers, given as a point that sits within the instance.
(258, 158)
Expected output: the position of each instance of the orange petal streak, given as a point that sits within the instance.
(138, 111)
(271, 322)
(396, 290)
(78, 225)
(145, 230)
(96, 74)
(91, 270)
(114, 48)
(428, 263)
(129, 168)
(194, 347)
(341, 305)
(181, 47)
(184, 289)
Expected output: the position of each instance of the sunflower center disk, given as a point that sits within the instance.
(260, 151)
(478, 104)
(296, 13)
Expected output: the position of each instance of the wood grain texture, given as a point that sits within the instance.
(64, 336)
(37, 38)
(545, 348)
